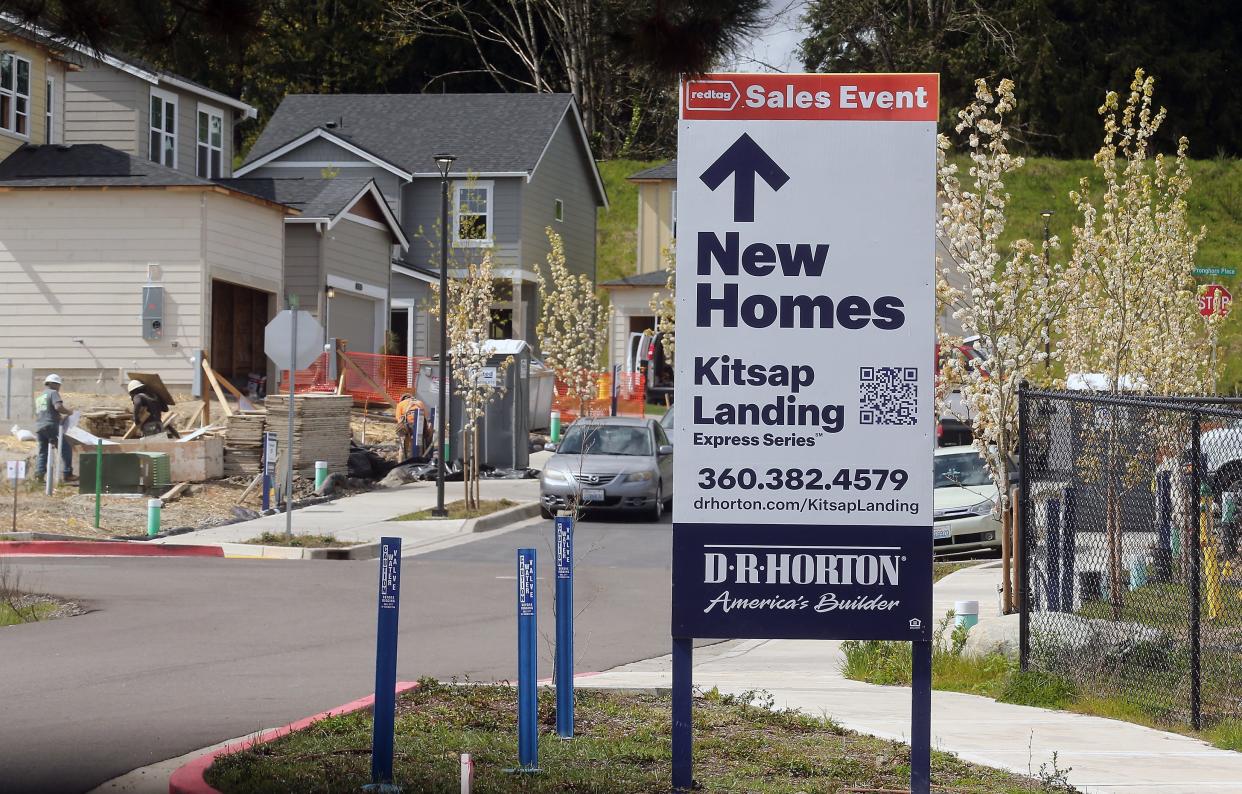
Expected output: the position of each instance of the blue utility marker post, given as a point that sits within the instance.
(528, 716)
(386, 665)
(269, 467)
(565, 626)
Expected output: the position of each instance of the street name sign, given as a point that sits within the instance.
(1215, 271)
(805, 352)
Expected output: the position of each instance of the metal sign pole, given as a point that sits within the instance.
(920, 718)
(528, 725)
(293, 376)
(565, 626)
(384, 724)
(683, 704)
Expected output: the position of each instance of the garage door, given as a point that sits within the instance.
(353, 320)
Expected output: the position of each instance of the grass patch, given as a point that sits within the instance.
(622, 746)
(616, 233)
(299, 541)
(29, 613)
(942, 569)
(457, 510)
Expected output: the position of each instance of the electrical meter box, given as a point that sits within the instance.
(152, 312)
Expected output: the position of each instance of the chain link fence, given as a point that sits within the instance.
(1131, 580)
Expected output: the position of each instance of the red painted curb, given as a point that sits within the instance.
(111, 548)
(188, 778)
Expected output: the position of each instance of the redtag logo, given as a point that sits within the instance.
(711, 95)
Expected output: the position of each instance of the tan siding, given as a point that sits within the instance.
(244, 242)
(655, 218)
(359, 253)
(73, 264)
(39, 66)
(303, 274)
(102, 106)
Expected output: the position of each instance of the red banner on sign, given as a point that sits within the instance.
(811, 97)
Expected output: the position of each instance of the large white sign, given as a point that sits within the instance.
(805, 351)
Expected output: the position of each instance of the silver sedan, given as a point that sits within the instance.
(610, 463)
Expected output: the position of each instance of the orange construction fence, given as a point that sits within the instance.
(631, 397)
(369, 373)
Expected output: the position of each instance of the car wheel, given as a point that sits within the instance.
(545, 512)
(656, 512)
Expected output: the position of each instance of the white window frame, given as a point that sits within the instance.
(167, 98)
(8, 124)
(490, 217)
(49, 112)
(558, 210)
(209, 110)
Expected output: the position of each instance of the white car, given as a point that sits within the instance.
(965, 515)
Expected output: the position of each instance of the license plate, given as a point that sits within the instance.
(942, 533)
(592, 494)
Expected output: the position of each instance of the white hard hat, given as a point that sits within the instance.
(133, 386)
(53, 378)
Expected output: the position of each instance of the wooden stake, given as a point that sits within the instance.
(380, 390)
(1015, 523)
(174, 492)
(1006, 562)
(258, 478)
(215, 386)
(194, 418)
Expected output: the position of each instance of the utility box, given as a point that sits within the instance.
(126, 473)
(152, 312)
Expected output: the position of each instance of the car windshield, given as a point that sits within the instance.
(964, 469)
(606, 440)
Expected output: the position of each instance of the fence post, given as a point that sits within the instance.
(1024, 511)
(1196, 556)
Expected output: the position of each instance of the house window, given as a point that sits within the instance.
(473, 226)
(15, 94)
(163, 128)
(49, 114)
(210, 142)
(559, 210)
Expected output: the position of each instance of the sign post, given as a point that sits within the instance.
(805, 328)
(292, 341)
(386, 666)
(528, 716)
(565, 626)
(16, 471)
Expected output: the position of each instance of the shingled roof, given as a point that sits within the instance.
(665, 171)
(490, 134)
(319, 198)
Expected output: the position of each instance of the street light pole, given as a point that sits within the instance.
(443, 163)
(1047, 215)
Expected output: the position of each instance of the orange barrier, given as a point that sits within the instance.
(394, 374)
(631, 397)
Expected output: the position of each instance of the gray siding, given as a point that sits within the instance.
(320, 150)
(102, 106)
(420, 218)
(388, 182)
(564, 173)
(303, 275)
(358, 253)
(187, 127)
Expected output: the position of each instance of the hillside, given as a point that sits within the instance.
(1044, 183)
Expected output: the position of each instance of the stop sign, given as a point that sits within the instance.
(283, 349)
(1215, 299)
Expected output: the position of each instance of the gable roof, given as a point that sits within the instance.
(93, 165)
(126, 63)
(664, 171)
(324, 200)
(655, 278)
(492, 135)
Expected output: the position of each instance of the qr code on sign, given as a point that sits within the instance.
(888, 395)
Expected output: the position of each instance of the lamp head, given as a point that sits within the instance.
(331, 292)
(444, 162)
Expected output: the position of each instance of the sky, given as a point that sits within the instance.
(776, 49)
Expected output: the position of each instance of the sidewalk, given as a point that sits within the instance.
(1106, 756)
(366, 517)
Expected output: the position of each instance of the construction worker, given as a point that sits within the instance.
(50, 415)
(407, 417)
(149, 409)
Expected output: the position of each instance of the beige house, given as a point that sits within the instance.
(633, 322)
(111, 262)
(59, 92)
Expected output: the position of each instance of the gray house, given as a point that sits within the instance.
(523, 165)
(338, 252)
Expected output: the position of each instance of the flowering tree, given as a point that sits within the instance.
(664, 307)
(573, 325)
(1136, 321)
(1008, 297)
(469, 323)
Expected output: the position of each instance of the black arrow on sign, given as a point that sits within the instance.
(744, 160)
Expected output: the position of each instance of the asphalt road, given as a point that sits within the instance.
(178, 654)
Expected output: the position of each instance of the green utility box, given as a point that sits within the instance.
(126, 473)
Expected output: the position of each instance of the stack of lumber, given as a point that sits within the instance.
(243, 444)
(321, 429)
(105, 422)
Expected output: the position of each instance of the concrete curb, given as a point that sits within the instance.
(502, 518)
(188, 779)
(106, 548)
(362, 551)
